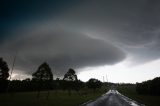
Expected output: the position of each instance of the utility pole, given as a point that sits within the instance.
(106, 78)
(103, 79)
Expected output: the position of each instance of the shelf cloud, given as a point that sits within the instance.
(79, 34)
(62, 49)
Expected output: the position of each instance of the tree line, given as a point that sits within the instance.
(150, 87)
(42, 80)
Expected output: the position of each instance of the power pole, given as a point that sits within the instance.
(103, 79)
(106, 78)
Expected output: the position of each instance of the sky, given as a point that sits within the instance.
(111, 40)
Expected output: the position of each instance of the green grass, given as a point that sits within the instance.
(148, 100)
(59, 98)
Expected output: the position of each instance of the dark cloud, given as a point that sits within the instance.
(131, 25)
(61, 48)
(88, 33)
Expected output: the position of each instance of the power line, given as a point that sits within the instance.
(12, 68)
(14, 60)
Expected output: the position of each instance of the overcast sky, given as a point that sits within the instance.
(117, 38)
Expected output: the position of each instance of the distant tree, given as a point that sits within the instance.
(70, 75)
(70, 79)
(43, 74)
(4, 70)
(94, 84)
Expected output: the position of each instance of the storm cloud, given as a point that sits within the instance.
(80, 34)
(61, 48)
(134, 26)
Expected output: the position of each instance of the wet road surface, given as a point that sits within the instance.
(113, 98)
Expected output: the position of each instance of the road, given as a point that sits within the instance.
(112, 98)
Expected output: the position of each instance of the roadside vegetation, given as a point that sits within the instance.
(129, 90)
(150, 87)
(43, 90)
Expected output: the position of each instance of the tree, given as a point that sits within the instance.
(94, 84)
(4, 70)
(4, 74)
(70, 78)
(70, 75)
(150, 87)
(43, 73)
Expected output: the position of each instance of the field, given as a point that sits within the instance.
(148, 100)
(56, 98)
(62, 98)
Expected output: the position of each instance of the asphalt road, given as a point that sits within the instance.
(113, 98)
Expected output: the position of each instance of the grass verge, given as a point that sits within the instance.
(56, 98)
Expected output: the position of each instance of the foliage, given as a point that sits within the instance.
(94, 83)
(70, 75)
(151, 87)
(3, 70)
(4, 74)
(43, 73)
